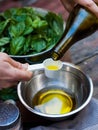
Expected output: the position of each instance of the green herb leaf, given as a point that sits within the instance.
(38, 45)
(16, 45)
(4, 41)
(3, 25)
(17, 29)
(38, 23)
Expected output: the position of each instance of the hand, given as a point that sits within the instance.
(90, 4)
(11, 72)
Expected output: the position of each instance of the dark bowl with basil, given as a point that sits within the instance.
(29, 34)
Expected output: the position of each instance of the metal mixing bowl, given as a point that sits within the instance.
(70, 78)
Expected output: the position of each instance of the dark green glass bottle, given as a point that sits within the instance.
(80, 24)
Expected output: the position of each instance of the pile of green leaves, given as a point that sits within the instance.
(25, 31)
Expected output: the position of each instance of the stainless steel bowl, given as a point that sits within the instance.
(70, 78)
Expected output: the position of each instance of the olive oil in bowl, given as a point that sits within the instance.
(53, 101)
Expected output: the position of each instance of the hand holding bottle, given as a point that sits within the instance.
(89, 4)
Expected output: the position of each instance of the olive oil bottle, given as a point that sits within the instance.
(80, 24)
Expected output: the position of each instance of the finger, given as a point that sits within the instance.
(21, 75)
(90, 4)
(18, 64)
(68, 4)
(6, 58)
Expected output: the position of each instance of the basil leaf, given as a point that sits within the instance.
(17, 29)
(28, 30)
(3, 25)
(55, 22)
(38, 45)
(38, 23)
(16, 45)
(27, 45)
(4, 41)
